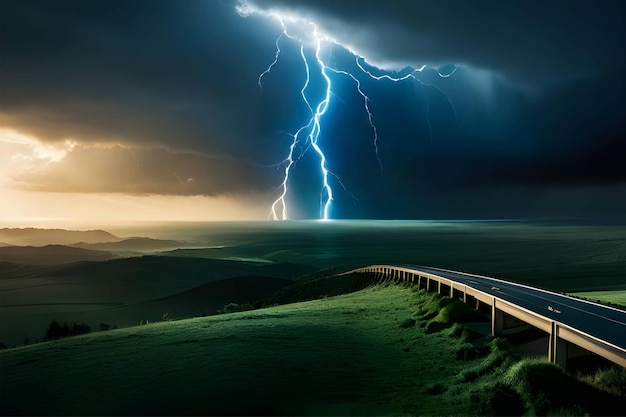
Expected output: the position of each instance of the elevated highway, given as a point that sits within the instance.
(573, 326)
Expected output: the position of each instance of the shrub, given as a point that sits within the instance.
(81, 328)
(436, 389)
(500, 355)
(106, 326)
(435, 326)
(56, 331)
(407, 323)
(466, 352)
(496, 400)
(611, 380)
(546, 388)
(234, 308)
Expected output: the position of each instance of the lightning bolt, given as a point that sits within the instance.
(359, 62)
(326, 197)
(267, 71)
(308, 135)
(311, 129)
(366, 105)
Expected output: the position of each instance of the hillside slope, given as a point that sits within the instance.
(373, 352)
(93, 292)
(342, 355)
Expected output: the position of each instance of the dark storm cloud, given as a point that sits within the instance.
(144, 72)
(177, 81)
(531, 42)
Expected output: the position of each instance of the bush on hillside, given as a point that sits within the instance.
(496, 400)
(106, 326)
(546, 388)
(234, 308)
(611, 380)
(56, 331)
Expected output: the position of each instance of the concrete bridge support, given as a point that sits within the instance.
(557, 348)
(504, 323)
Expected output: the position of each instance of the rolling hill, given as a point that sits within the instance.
(32, 295)
(203, 300)
(51, 254)
(39, 237)
(366, 353)
(134, 244)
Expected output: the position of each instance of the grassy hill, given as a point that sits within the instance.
(93, 292)
(385, 350)
(567, 258)
(203, 300)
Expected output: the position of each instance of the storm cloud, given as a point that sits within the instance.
(161, 97)
(531, 42)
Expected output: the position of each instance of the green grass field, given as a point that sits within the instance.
(566, 258)
(613, 297)
(557, 257)
(385, 350)
(377, 351)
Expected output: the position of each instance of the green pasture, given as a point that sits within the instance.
(385, 350)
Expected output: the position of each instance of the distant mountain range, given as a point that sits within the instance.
(56, 246)
(40, 237)
(51, 254)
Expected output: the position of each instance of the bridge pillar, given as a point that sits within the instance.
(557, 348)
(497, 320)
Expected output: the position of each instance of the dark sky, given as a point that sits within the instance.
(161, 97)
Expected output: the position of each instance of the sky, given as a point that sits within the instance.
(163, 110)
